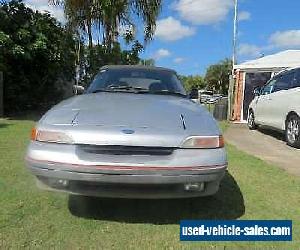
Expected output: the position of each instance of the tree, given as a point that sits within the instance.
(107, 16)
(217, 76)
(37, 57)
(100, 56)
(193, 82)
(79, 14)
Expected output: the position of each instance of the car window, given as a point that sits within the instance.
(284, 82)
(296, 82)
(153, 81)
(268, 88)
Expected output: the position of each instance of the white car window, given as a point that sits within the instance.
(284, 82)
(267, 89)
(296, 82)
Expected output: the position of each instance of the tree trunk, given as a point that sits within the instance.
(89, 30)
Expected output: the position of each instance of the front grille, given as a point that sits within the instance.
(126, 150)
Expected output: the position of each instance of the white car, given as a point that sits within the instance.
(205, 95)
(277, 105)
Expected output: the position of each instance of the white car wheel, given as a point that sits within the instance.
(293, 131)
(251, 121)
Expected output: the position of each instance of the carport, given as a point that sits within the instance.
(256, 73)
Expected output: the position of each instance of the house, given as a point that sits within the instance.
(256, 73)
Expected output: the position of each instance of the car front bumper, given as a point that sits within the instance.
(158, 178)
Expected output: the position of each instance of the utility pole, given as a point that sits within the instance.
(234, 60)
(235, 28)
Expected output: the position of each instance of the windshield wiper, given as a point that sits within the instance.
(168, 92)
(111, 88)
(145, 90)
(140, 90)
(118, 87)
(101, 90)
(135, 89)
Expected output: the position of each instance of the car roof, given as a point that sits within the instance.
(137, 67)
(286, 71)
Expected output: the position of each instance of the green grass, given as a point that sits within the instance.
(37, 219)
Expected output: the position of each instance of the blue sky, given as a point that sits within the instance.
(192, 34)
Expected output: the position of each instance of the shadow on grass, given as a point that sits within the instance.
(276, 134)
(228, 203)
(27, 117)
(4, 125)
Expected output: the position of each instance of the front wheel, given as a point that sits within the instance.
(292, 131)
(251, 121)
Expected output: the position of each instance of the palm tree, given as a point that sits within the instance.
(148, 11)
(79, 15)
(106, 16)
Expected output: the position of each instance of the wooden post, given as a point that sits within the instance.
(1, 95)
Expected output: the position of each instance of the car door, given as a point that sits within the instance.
(279, 100)
(293, 98)
(263, 102)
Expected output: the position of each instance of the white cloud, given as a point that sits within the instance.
(203, 11)
(249, 50)
(285, 39)
(244, 16)
(178, 60)
(161, 53)
(288, 39)
(42, 6)
(170, 29)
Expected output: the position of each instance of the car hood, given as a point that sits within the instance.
(130, 119)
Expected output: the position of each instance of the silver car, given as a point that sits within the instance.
(132, 134)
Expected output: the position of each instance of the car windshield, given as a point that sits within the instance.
(137, 80)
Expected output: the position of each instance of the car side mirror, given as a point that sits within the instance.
(194, 94)
(257, 91)
(78, 89)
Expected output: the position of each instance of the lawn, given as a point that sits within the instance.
(37, 219)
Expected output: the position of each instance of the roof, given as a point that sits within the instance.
(136, 67)
(281, 60)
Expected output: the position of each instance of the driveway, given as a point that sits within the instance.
(266, 145)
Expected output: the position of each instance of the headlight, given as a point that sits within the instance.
(50, 136)
(203, 142)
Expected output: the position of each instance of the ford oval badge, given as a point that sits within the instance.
(128, 131)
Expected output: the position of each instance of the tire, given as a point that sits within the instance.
(292, 131)
(251, 121)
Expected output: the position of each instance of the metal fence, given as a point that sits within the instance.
(218, 109)
(221, 109)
